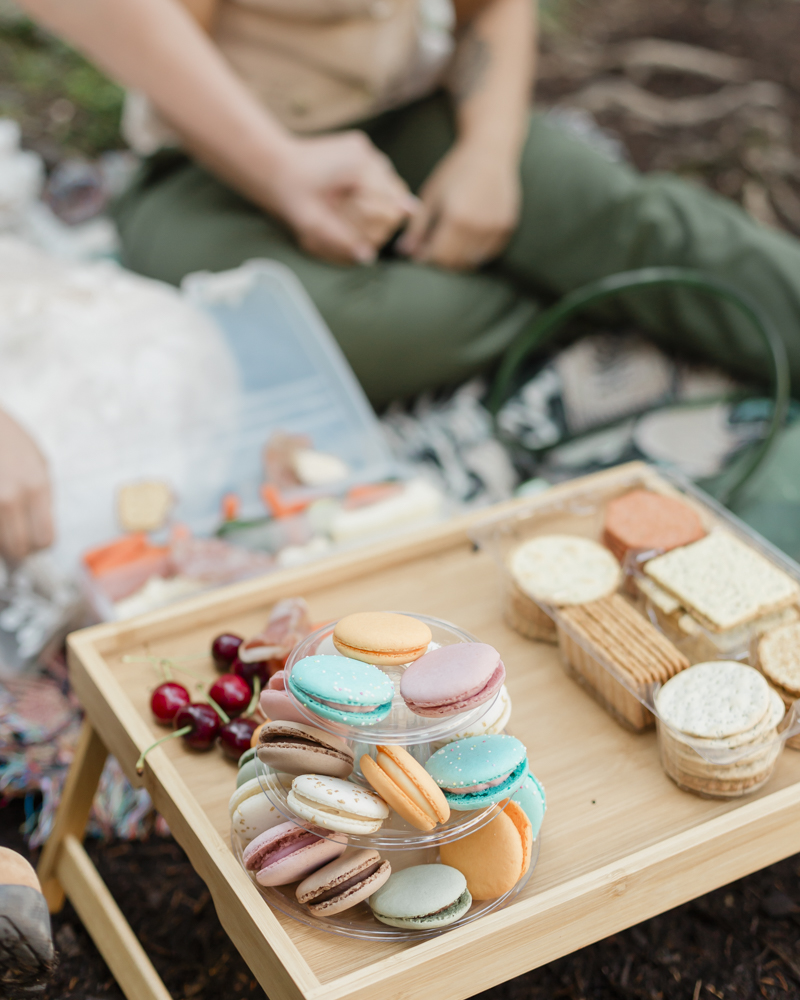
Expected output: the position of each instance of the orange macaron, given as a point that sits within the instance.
(381, 638)
(495, 857)
(406, 786)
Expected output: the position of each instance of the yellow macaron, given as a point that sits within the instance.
(381, 638)
(495, 857)
(406, 786)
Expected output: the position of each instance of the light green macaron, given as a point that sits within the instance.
(424, 897)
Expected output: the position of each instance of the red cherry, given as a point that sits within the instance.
(204, 722)
(248, 671)
(231, 693)
(234, 737)
(167, 700)
(224, 649)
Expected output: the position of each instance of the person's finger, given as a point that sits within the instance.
(40, 518)
(325, 234)
(14, 541)
(418, 230)
(375, 218)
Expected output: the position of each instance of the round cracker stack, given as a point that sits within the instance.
(556, 571)
(718, 729)
(779, 660)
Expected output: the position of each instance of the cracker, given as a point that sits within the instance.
(643, 639)
(724, 580)
(779, 657)
(714, 700)
(144, 506)
(658, 596)
(564, 570)
(627, 639)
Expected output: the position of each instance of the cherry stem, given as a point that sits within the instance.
(171, 736)
(225, 718)
(256, 693)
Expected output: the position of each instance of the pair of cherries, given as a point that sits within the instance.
(200, 724)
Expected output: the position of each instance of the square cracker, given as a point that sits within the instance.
(724, 580)
(144, 506)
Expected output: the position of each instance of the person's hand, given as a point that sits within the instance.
(26, 520)
(469, 208)
(340, 195)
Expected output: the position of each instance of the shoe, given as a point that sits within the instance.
(27, 957)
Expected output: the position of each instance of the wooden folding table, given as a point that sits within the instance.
(620, 842)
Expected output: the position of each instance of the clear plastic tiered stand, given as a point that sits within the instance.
(397, 840)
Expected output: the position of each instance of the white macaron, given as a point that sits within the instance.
(252, 812)
(335, 804)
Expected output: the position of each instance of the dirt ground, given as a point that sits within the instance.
(744, 939)
(741, 941)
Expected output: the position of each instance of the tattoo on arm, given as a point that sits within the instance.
(469, 67)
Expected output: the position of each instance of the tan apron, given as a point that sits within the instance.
(318, 64)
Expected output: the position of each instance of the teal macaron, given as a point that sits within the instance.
(424, 897)
(530, 795)
(341, 689)
(479, 771)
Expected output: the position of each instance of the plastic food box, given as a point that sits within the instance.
(292, 378)
(582, 513)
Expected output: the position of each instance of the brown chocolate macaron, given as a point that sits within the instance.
(343, 883)
(643, 521)
(299, 749)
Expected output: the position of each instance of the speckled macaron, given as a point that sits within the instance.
(480, 771)
(452, 679)
(423, 897)
(337, 805)
(406, 786)
(288, 853)
(496, 856)
(341, 689)
(343, 883)
(381, 637)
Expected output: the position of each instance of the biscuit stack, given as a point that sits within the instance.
(718, 729)
(616, 654)
(721, 591)
(779, 659)
(556, 571)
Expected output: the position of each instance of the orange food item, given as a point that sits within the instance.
(231, 505)
(641, 521)
(277, 506)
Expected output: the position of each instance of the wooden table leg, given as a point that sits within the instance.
(73, 810)
(65, 869)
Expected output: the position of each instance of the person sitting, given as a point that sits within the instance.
(386, 152)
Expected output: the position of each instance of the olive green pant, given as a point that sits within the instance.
(407, 327)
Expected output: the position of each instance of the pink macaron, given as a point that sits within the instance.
(277, 704)
(452, 679)
(288, 853)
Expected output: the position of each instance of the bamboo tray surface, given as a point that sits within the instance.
(619, 842)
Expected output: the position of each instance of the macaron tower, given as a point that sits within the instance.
(384, 748)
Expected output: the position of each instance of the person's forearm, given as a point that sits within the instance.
(156, 47)
(493, 74)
